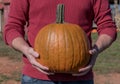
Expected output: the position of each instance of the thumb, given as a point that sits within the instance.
(92, 52)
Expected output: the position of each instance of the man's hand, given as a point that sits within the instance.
(20, 44)
(94, 53)
(103, 42)
(32, 55)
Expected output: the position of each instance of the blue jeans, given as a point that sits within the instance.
(29, 80)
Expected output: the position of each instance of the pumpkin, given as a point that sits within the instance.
(94, 30)
(63, 47)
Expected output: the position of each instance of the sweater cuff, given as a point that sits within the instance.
(112, 32)
(10, 37)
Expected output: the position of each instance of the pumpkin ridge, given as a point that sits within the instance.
(61, 47)
(58, 56)
(77, 39)
(80, 46)
(58, 50)
(56, 60)
(49, 55)
(47, 48)
(65, 69)
(86, 49)
(70, 34)
(85, 46)
(37, 49)
(69, 52)
(77, 48)
(44, 48)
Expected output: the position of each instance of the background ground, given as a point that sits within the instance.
(107, 68)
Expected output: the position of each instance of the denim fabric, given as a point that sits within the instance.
(29, 80)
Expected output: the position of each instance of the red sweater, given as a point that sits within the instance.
(39, 13)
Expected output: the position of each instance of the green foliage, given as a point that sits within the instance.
(3, 78)
(14, 76)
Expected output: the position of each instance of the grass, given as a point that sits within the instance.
(14, 76)
(3, 78)
(108, 61)
(7, 51)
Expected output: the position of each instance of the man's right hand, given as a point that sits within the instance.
(21, 45)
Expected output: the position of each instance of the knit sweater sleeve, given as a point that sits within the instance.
(16, 21)
(103, 19)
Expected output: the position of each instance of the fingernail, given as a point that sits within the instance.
(46, 68)
(36, 54)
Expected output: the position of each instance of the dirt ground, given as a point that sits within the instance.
(10, 68)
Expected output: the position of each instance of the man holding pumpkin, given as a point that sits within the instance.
(37, 14)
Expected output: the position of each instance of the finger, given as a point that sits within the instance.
(92, 52)
(35, 63)
(33, 53)
(43, 71)
(83, 71)
(79, 74)
(40, 67)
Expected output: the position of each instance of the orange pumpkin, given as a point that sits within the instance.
(63, 47)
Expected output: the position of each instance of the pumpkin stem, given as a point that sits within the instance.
(60, 14)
